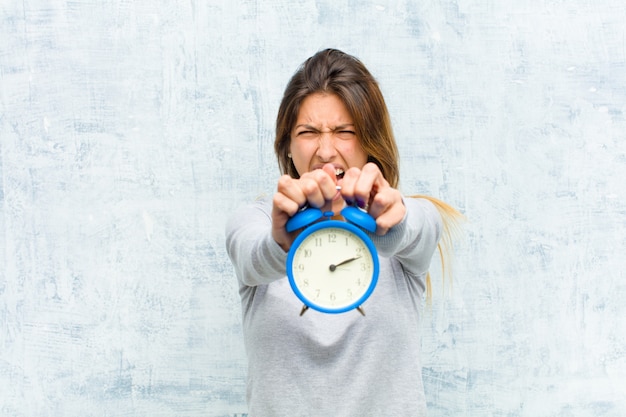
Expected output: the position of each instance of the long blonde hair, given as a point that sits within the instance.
(334, 72)
(452, 221)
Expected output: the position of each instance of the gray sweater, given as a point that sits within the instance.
(333, 364)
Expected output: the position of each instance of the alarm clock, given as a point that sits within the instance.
(332, 265)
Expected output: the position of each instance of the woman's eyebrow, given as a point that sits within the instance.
(305, 126)
(344, 126)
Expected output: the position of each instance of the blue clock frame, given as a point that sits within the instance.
(311, 216)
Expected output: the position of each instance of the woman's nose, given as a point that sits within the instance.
(326, 150)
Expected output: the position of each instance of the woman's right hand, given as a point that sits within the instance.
(316, 188)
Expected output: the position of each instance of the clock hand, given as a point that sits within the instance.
(332, 267)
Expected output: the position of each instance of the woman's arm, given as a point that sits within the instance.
(256, 256)
(412, 241)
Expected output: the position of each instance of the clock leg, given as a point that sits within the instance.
(304, 309)
(360, 309)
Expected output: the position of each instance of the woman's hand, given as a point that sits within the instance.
(366, 187)
(316, 188)
(371, 191)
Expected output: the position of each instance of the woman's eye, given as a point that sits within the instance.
(346, 134)
(307, 134)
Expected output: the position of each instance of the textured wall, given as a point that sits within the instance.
(130, 129)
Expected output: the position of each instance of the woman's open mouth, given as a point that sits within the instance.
(339, 173)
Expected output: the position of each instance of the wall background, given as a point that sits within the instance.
(129, 130)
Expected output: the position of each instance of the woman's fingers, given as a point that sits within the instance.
(387, 208)
(314, 188)
(368, 189)
(289, 196)
(360, 185)
(319, 186)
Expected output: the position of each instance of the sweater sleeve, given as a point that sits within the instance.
(256, 257)
(412, 241)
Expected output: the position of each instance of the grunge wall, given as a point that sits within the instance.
(130, 130)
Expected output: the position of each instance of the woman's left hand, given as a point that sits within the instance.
(370, 190)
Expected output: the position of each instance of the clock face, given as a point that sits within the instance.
(332, 266)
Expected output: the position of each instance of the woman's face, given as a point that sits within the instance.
(325, 133)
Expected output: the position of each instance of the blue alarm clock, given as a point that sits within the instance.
(332, 265)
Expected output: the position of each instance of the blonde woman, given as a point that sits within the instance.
(335, 147)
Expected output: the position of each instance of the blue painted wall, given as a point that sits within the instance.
(129, 130)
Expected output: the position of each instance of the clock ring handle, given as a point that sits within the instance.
(303, 218)
(360, 218)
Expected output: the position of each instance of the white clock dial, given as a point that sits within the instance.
(333, 268)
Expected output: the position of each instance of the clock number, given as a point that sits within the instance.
(332, 238)
(307, 253)
(333, 297)
(300, 267)
(318, 241)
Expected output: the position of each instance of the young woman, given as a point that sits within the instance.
(333, 129)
